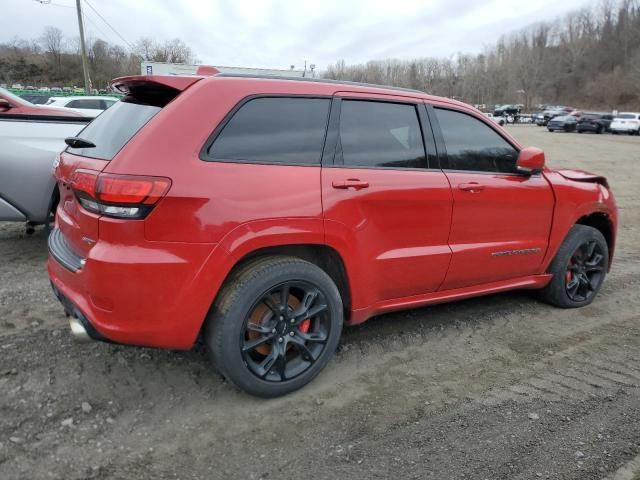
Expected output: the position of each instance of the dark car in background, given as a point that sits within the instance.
(594, 122)
(507, 111)
(553, 112)
(565, 123)
(36, 99)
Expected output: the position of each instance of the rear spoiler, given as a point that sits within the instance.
(175, 82)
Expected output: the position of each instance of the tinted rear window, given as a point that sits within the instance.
(627, 116)
(274, 130)
(111, 130)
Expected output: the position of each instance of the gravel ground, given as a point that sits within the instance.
(500, 387)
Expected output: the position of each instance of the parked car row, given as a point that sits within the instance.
(44, 89)
(626, 122)
(87, 106)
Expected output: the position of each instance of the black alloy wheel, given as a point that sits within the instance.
(585, 271)
(578, 269)
(285, 331)
(274, 325)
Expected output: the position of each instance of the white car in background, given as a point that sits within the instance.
(499, 120)
(87, 106)
(626, 122)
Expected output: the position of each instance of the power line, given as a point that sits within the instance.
(108, 24)
(97, 27)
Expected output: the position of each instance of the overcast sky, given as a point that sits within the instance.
(277, 34)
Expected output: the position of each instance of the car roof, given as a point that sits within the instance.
(322, 86)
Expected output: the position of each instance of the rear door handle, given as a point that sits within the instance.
(350, 183)
(471, 187)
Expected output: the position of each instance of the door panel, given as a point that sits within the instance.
(501, 219)
(395, 230)
(500, 227)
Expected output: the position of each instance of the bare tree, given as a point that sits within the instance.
(52, 43)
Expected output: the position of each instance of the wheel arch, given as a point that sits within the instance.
(601, 222)
(323, 256)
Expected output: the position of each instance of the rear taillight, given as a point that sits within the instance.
(118, 196)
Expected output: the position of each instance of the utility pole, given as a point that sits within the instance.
(83, 50)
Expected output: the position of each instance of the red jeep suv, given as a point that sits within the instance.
(263, 213)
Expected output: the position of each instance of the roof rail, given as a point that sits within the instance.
(318, 80)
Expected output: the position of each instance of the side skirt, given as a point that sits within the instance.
(530, 282)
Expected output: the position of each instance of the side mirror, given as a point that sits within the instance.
(530, 161)
(5, 104)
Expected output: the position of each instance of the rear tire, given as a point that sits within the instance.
(275, 325)
(578, 269)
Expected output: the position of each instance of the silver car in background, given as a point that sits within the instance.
(28, 148)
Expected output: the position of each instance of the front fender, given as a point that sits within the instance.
(574, 200)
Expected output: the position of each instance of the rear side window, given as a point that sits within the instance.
(473, 145)
(380, 134)
(274, 130)
(112, 129)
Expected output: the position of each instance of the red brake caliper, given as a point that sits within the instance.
(568, 274)
(305, 325)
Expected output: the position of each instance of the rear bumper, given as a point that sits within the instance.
(80, 325)
(624, 129)
(149, 294)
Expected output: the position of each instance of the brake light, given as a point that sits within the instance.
(118, 196)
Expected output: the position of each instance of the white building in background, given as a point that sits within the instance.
(163, 68)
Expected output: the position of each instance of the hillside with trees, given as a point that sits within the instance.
(54, 60)
(590, 59)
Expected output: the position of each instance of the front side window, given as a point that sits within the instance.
(380, 134)
(473, 145)
(274, 130)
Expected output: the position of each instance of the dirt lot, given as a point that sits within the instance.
(501, 387)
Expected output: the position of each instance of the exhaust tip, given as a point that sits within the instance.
(78, 331)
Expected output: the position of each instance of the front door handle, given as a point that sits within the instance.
(355, 183)
(471, 187)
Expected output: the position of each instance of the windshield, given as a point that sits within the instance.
(113, 129)
(13, 98)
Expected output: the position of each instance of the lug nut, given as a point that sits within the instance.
(293, 320)
(291, 334)
(281, 317)
(280, 340)
(273, 330)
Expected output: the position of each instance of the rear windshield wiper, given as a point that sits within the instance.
(77, 142)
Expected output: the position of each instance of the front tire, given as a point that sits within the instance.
(578, 269)
(275, 325)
